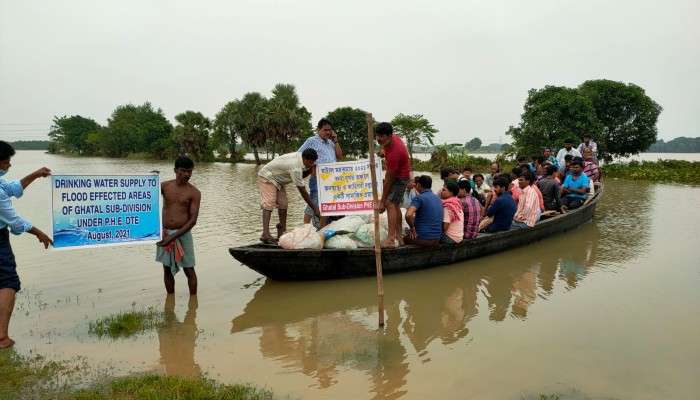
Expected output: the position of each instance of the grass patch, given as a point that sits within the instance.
(126, 324)
(20, 375)
(36, 378)
(677, 171)
(157, 387)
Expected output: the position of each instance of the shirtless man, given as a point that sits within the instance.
(180, 211)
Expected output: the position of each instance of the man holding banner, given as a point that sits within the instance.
(10, 221)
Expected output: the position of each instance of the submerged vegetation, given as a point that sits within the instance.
(126, 324)
(37, 378)
(677, 171)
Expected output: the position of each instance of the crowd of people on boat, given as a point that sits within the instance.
(467, 203)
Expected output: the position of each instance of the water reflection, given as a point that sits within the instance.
(321, 328)
(177, 339)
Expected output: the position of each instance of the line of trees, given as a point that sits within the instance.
(620, 117)
(254, 123)
(678, 145)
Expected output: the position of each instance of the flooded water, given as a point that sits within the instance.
(609, 310)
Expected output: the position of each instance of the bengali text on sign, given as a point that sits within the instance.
(345, 188)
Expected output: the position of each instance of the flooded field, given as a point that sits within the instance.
(608, 310)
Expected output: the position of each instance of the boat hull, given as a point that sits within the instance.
(288, 265)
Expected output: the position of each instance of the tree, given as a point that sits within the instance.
(627, 115)
(287, 119)
(136, 129)
(473, 145)
(351, 126)
(225, 130)
(251, 121)
(551, 116)
(69, 134)
(415, 129)
(192, 135)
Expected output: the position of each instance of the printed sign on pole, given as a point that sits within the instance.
(105, 210)
(345, 188)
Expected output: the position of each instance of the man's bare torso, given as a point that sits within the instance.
(177, 202)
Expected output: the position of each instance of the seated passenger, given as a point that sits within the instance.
(514, 187)
(480, 185)
(453, 215)
(550, 189)
(590, 166)
(564, 169)
(502, 209)
(528, 212)
(495, 170)
(471, 208)
(466, 174)
(424, 216)
(575, 187)
(449, 174)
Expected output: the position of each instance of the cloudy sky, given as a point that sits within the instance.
(466, 65)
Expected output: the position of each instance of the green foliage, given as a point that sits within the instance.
(69, 134)
(126, 324)
(415, 129)
(351, 126)
(251, 121)
(473, 145)
(628, 116)
(191, 135)
(677, 145)
(677, 171)
(133, 129)
(226, 131)
(620, 117)
(552, 115)
(288, 122)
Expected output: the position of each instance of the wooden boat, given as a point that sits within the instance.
(307, 264)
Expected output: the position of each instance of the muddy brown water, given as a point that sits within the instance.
(609, 310)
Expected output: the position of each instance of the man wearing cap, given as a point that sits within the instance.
(568, 149)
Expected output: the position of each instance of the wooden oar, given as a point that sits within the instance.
(377, 239)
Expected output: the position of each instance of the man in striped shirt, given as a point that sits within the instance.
(325, 142)
(471, 208)
(528, 212)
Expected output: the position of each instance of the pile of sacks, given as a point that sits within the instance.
(351, 232)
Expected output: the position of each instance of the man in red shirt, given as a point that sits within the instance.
(397, 175)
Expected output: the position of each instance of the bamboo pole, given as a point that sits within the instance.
(377, 239)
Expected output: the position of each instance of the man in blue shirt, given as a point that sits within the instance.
(325, 142)
(10, 221)
(425, 215)
(575, 187)
(503, 209)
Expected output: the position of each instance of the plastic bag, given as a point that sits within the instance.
(347, 224)
(365, 234)
(303, 237)
(340, 242)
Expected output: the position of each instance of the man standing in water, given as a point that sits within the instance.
(10, 221)
(180, 212)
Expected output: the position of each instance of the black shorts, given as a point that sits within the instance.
(397, 190)
(8, 267)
